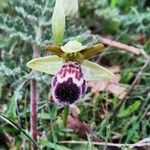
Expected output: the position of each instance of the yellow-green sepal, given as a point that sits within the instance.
(49, 64)
(58, 22)
(93, 71)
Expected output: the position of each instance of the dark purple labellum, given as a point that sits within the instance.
(68, 85)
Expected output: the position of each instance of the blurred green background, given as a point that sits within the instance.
(125, 21)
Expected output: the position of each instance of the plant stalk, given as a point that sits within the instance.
(33, 110)
(33, 103)
(65, 117)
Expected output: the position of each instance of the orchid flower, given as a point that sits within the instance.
(71, 70)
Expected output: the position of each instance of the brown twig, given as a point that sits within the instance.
(108, 144)
(136, 80)
(119, 45)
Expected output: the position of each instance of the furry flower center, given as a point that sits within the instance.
(67, 91)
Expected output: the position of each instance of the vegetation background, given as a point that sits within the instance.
(26, 25)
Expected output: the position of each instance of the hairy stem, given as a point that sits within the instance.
(119, 45)
(33, 103)
(33, 109)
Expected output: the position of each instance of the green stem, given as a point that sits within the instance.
(52, 112)
(65, 116)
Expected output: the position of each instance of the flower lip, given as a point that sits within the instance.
(68, 85)
(67, 92)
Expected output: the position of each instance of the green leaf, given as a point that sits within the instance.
(48, 64)
(113, 3)
(43, 115)
(3, 41)
(31, 18)
(132, 108)
(127, 75)
(11, 111)
(4, 4)
(58, 22)
(20, 129)
(22, 36)
(93, 71)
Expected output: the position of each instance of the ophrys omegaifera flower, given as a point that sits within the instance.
(71, 70)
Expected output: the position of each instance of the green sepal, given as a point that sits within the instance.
(58, 22)
(49, 64)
